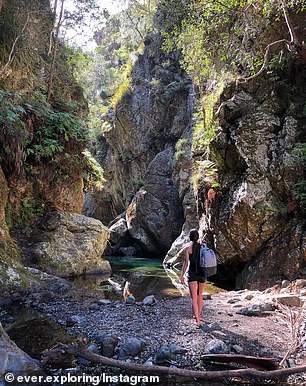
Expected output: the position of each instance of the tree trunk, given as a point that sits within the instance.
(54, 52)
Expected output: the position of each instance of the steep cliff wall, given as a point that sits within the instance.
(139, 152)
(259, 221)
(41, 138)
(34, 157)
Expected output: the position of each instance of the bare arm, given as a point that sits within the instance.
(185, 264)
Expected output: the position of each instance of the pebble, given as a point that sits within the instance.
(103, 302)
(216, 346)
(149, 300)
(238, 349)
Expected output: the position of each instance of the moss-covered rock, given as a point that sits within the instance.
(11, 276)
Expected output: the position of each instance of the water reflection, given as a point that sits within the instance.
(146, 277)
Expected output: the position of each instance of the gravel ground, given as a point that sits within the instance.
(170, 322)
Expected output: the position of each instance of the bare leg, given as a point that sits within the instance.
(200, 299)
(193, 288)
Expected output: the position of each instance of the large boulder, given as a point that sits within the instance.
(14, 360)
(119, 236)
(70, 244)
(155, 215)
(282, 257)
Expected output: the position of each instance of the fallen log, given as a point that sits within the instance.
(246, 360)
(79, 349)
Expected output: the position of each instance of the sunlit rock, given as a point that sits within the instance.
(154, 217)
(71, 244)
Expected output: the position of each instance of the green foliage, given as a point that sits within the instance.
(124, 86)
(204, 174)
(180, 148)
(299, 153)
(25, 216)
(31, 131)
(220, 35)
(14, 135)
(173, 88)
(92, 172)
(105, 73)
(205, 128)
(55, 131)
(137, 183)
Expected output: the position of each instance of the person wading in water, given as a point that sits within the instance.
(196, 274)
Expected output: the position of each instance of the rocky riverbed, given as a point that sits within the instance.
(163, 332)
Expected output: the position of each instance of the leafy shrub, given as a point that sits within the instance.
(205, 128)
(180, 148)
(124, 85)
(92, 172)
(32, 132)
(14, 135)
(205, 173)
(24, 217)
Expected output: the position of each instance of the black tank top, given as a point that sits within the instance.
(194, 259)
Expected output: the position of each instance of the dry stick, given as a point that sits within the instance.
(80, 349)
(295, 320)
(10, 58)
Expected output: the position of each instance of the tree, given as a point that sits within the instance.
(137, 18)
(64, 19)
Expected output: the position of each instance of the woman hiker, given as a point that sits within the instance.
(196, 275)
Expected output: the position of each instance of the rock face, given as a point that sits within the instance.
(14, 360)
(151, 116)
(181, 174)
(10, 266)
(30, 185)
(258, 219)
(71, 244)
(155, 214)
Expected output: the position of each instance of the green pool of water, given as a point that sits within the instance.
(145, 276)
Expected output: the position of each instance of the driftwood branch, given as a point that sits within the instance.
(246, 360)
(79, 349)
(293, 36)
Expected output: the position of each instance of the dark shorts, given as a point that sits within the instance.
(192, 276)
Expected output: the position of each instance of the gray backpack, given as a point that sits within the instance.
(208, 260)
